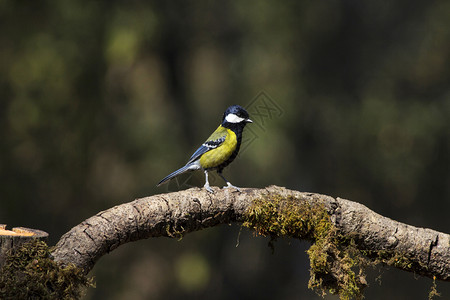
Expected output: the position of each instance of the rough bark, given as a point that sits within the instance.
(178, 213)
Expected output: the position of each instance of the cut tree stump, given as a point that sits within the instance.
(17, 236)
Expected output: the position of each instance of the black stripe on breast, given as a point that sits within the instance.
(238, 132)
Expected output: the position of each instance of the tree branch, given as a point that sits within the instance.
(420, 250)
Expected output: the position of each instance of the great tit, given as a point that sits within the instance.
(220, 149)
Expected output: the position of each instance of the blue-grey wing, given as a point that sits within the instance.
(207, 146)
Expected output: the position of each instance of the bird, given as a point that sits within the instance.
(220, 149)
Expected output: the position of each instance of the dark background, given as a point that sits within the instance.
(99, 100)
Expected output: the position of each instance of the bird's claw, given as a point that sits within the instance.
(208, 188)
(229, 185)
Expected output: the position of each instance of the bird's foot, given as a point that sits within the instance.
(208, 188)
(229, 185)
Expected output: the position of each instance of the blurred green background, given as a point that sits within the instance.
(99, 100)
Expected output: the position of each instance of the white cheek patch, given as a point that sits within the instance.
(232, 118)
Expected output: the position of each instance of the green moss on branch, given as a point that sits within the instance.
(29, 272)
(336, 264)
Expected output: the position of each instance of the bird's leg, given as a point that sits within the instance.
(206, 186)
(229, 185)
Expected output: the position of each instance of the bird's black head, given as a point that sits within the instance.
(235, 115)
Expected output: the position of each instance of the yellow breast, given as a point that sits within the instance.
(216, 157)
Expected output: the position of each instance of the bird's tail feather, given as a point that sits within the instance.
(176, 173)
